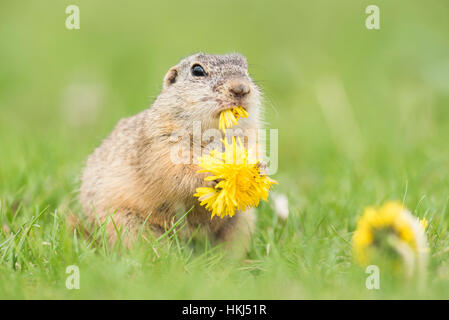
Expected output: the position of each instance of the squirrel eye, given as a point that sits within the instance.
(198, 71)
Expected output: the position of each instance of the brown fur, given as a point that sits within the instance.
(131, 175)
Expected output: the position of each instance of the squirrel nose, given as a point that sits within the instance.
(239, 88)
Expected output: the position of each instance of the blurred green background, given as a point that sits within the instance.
(362, 116)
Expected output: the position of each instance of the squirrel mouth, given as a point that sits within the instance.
(229, 107)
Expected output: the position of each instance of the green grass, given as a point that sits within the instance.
(362, 115)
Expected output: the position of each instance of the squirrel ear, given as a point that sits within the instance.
(171, 77)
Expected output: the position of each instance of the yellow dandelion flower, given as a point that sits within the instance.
(240, 182)
(230, 117)
(390, 226)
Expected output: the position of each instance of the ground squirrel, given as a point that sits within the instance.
(131, 174)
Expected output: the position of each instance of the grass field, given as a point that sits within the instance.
(363, 117)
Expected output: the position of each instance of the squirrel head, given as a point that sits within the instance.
(201, 86)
